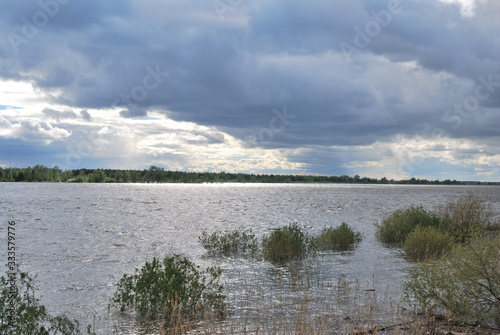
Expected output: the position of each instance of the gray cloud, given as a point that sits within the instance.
(58, 115)
(66, 114)
(233, 73)
(85, 115)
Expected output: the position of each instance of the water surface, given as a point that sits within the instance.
(79, 239)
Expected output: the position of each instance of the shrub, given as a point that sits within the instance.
(465, 217)
(466, 282)
(427, 242)
(21, 312)
(233, 243)
(286, 243)
(396, 227)
(174, 284)
(339, 238)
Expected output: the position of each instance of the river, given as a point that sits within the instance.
(79, 239)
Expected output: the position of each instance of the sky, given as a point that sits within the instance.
(378, 88)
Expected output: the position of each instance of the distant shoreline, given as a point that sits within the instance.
(154, 174)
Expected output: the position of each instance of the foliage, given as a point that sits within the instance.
(21, 312)
(155, 174)
(465, 217)
(396, 227)
(340, 238)
(232, 243)
(466, 282)
(285, 243)
(174, 284)
(427, 242)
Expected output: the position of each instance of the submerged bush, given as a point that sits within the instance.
(21, 312)
(286, 243)
(427, 234)
(398, 225)
(466, 282)
(465, 217)
(427, 242)
(174, 285)
(233, 243)
(337, 239)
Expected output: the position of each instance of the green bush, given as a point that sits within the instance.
(21, 312)
(286, 243)
(465, 217)
(233, 243)
(175, 284)
(466, 282)
(427, 242)
(396, 227)
(337, 239)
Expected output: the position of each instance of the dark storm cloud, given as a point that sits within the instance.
(232, 73)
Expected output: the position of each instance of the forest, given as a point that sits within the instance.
(155, 174)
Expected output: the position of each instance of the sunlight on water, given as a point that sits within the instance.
(79, 239)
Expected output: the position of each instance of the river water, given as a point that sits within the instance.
(79, 239)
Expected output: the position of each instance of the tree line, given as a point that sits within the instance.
(155, 174)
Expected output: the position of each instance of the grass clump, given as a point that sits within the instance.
(340, 238)
(21, 312)
(236, 242)
(170, 287)
(427, 242)
(398, 225)
(466, 282)
(286, 243)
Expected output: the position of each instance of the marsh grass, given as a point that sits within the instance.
(340, 238)
(279, 303)
(343, 307)
(287, 243)
(235, 243)
(170, 291)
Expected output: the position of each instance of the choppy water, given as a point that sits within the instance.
(79, 239)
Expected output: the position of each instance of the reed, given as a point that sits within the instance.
(340, 238)
(238, 242)
(279, 302)
(287, 243)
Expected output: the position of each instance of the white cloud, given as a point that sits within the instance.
(33, 131)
